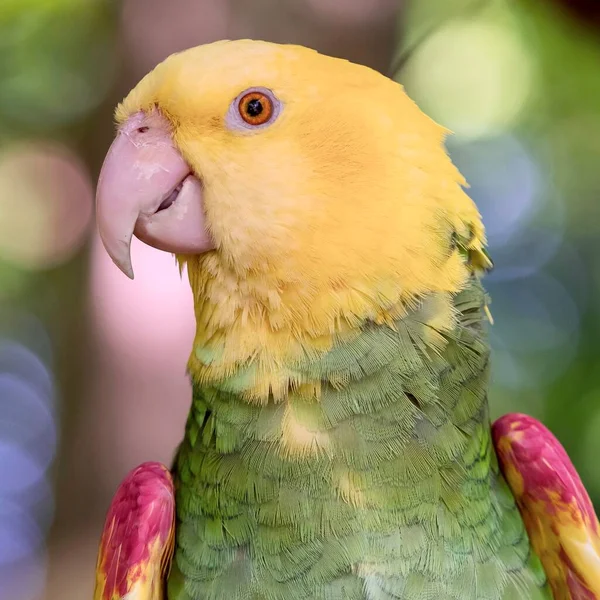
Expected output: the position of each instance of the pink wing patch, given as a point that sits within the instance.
(557, 511)
(138, 538)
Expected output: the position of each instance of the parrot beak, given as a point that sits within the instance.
(146, 188)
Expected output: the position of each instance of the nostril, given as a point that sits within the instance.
(143, 129)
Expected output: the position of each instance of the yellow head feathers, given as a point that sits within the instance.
(341, 208)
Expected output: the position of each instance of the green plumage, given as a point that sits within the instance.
(403, 501)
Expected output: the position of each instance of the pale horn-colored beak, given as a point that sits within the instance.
(146, 188)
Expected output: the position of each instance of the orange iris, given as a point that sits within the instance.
(255, 108)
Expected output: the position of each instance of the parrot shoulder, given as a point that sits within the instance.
(557, 511)
(137, 542)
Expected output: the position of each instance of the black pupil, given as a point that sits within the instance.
(254, 107)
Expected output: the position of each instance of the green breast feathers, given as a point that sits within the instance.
(399, 495)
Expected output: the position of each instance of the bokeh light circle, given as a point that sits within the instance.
(504, 181)
(46, 200)
(472, 76)
(20, 535)
(28, 434)
(536, 331)
(28, 442)
(21, 363)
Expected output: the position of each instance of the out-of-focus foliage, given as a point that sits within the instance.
(92, 375)
(57, 65)
(58, 58)
(519, 84)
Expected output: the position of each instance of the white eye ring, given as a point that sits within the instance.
(234, 119)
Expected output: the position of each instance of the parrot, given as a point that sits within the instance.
(339, 444)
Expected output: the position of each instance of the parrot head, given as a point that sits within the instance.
(301, 181)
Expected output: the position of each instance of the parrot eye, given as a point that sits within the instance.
(253, 108)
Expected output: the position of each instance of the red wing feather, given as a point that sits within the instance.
(557, 511)
(137, 542)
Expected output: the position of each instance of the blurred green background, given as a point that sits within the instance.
(92, 366)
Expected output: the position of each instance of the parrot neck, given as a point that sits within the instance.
(258, 327)
(385, 434)
(427, 370)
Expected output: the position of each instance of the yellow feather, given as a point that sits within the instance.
(344, 209)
